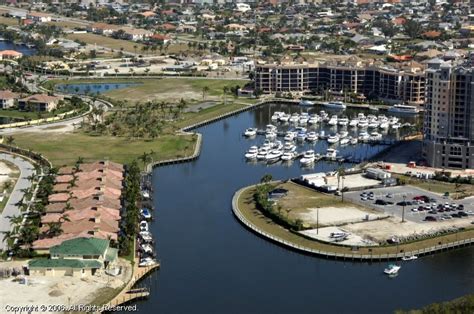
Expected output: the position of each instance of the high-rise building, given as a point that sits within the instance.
(449, 115)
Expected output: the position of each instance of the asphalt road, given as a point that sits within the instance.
(26, 170)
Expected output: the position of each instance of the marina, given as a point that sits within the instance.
(220, 242)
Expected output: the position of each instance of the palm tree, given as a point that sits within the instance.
(341, 172)
(10, 140)
(116, 72)
(225, 89)
(205, 90)
(54, 229)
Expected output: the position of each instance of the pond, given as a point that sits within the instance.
(91, 88)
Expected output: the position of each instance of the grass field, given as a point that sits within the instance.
(65, 148)
(439, 186)
(206, 114)
(252, 214)
(127, 45)
(9, 21)
(13, 176)
(164, 89)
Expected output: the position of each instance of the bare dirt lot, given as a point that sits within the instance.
(60, 290)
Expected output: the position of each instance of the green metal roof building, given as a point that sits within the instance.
(76, 257)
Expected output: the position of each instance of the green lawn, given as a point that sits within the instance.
(168, 89)
(206, 114)
(438, 186)
(64, 149)
(13, 176)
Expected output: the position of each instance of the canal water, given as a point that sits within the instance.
(210, 263)
(6, 45)
(91, 88)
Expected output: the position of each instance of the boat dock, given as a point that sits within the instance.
(129, 293)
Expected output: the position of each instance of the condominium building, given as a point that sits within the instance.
(392, 85)
(449, 116)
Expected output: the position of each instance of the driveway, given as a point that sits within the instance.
(26, 170)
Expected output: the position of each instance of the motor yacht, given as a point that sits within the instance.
(306, 103)
(143, 225)
(354, 141)
(270, 135)
(304, 117)
(252, 153)
(312, 136)
(145, 213)
(301, 136)
(332, 139)
(345, 141)
(335, 105)
(384, 125)
(270, 128)
(373, 125)
(287, 156)
(333, 121)
(375, 136)
(343, 134)
(290, 136)
(276, 115)
(262, 153)
(313, 119)
(343, 121)
(273, 155)
(147, 261)
(403, 109)
(289, 147)
(250, 132)
(284, 118)
(308, 158)
(392, 269)
(294, 118)
(396, 126)
(353, 123)
(364, 136)
(363, 123)
(409, 258)
(323, 114)
(331, 153)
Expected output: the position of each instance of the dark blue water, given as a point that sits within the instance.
(5, 45)
(91, 88)
(212, 264)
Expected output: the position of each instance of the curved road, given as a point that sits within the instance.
(26, 170)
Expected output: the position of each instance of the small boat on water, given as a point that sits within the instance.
(288, 156)
(304, 117)
(271, 135)
(374, 136)
(343, 134)
(343, 121)
(363, 123)
(335, 105)
(384, 125)
(312, 136)
(301, 136)
(289, 147)
(403, 109)
(147, 261)
(354, 141)
(308, 158)
(276, 115)
(392, 269)
(333, 120)
(290, 136)
(332, 139)
(331, 154)
(396, 126)
(250, 132)
(373, 125)
(353, 123)
(345, 141)
(252, 153)
(409, 258)
(270, 128)
(313, 119)
(294, 118)
(284, 117)
(145, 213)
(273, 155)
(305, 102)
(262, 153)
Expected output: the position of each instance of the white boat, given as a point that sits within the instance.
(313, 119)
(277, 145)
(335, 105)
(345, 141)
(343, 134)
(252, 153)
(396, 125)
(373, 125)
(294, 118)
(331, 153)
(270, 135)
(147, 261)
(333, 121)
(409, 258)
(301, 136)
(145, 194)
(363, 123)
(287, 156)
(250, 132)
(147, 248)
(392, 269)
(273, 155)
(354, 141)
(353, 123)
(304, 117)
(360, 116)
(276, 115)
(306, 103)
(270, 128)
(312, 136)
(308, 158)
(375, 136)
(143, 225)
(284, 117)
(384, 125)
(323, 114)
(146, 236)
(364, 136)
(289, 147)
(290, 136)
(343, 121)
(393, 120)
(332, 139)
(262, 153)
(403, 109)
(145, 213)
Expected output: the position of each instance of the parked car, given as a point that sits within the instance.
(431, 218)
(389, 195)
(383, 202)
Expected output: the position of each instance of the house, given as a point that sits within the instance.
(7, 99)
(39, 17)
(160, 38)
(38, 102)
(377, 174)
(78, 257)
(10, 55)
(135, 34)
(102, 28)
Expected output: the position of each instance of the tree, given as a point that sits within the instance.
(412, 28)
(266, 178)
(10, 140)
(225, 89)
(205, 90)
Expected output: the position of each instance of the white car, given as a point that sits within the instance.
(414, 209)
(363, 198)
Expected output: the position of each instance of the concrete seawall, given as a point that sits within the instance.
(341, 256)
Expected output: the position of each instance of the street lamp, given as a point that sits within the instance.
(403, 210)
(317, 220)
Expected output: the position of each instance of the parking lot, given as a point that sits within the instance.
(407, 193)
